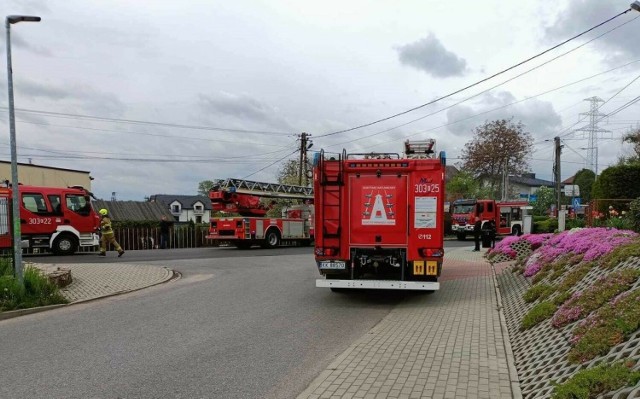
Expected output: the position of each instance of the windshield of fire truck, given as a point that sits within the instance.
(463, 208)
(78, 203)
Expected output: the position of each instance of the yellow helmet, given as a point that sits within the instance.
(103, 212)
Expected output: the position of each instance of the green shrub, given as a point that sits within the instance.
(575, 223)
(548, 225)
(37, 290)
(6, 266)
(537, 314)
(589, 383)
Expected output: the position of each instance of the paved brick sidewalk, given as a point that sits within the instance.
(91, 281)
(446, 345)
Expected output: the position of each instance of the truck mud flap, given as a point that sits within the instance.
(379, 284)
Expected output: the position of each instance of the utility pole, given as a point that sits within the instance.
(556, 169)
(303, 155)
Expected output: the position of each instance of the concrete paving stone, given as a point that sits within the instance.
(465, 345)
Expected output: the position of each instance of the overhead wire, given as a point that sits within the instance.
(490, 88)
(142, 133)
(139, 122)
(476, 83)
(271, 164)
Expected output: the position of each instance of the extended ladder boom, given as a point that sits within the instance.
(260, 189)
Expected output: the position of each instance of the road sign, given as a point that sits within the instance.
(576, 203)
(571, 190)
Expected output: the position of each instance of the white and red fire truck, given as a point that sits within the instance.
(507, 216)
(380, 218)
(53, 219)
(253, 227)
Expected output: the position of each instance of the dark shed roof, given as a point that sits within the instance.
(187, 201)
(133, 210)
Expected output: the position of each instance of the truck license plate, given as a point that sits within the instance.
(333, 265)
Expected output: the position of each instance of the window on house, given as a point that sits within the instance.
(175, 208)
(198, 208)
(198, 219)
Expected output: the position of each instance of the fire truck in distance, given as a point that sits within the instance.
(507, 216)
(380, 218)
(253, 227)
(53, 219)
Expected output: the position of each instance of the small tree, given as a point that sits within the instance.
(545, 198)
(585, 179)
(464, 185)
(498, 147)
(204, 187)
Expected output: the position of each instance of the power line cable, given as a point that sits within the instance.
(501, 107)
(493, 87)
(139, 122)
(271, 164)
(141, 133)
(476, 83)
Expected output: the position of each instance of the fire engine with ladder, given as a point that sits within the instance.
(380, 218)
(253, 227)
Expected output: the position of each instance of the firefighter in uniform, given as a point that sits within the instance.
(107, 234)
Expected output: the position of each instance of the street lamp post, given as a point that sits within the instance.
(15, 204)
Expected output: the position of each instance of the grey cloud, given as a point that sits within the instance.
(539, 117)
(429, 55)
(243, 108)
(581, 15)
(84, 97)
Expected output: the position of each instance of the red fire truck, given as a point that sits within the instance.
(253, 227)
(507, 216)
(53, 219)
(380, 218)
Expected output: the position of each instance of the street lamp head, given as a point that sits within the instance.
(14, 19)
(635, 5)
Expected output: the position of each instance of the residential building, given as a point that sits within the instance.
(525, 187)
(185, 208)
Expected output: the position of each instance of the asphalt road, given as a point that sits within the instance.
(238, 324)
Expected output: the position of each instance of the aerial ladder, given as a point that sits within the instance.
(253, 227)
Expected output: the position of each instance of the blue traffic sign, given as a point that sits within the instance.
(576, 203)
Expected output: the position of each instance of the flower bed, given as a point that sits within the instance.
(582, 303)
(590, 277)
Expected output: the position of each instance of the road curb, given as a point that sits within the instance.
(171, 275)
(513, 372)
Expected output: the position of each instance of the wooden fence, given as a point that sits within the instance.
(136, 238)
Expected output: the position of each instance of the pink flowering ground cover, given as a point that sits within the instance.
(591, 242)
(506, 247)
(584, 302)
(609, 326)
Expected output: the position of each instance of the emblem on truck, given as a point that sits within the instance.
(381, 213)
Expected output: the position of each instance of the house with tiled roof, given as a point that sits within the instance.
(185, 208)
(526, 185)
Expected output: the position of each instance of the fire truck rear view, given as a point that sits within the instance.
(380, 218)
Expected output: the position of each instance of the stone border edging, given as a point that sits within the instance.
(513, 371)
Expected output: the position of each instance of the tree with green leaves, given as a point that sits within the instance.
(618, 182)
(499, 147)
(633, 138)
(204, 187)
(584, 179)
(465, 185)
(546, 197)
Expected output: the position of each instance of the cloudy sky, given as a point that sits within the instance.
(153, 97)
